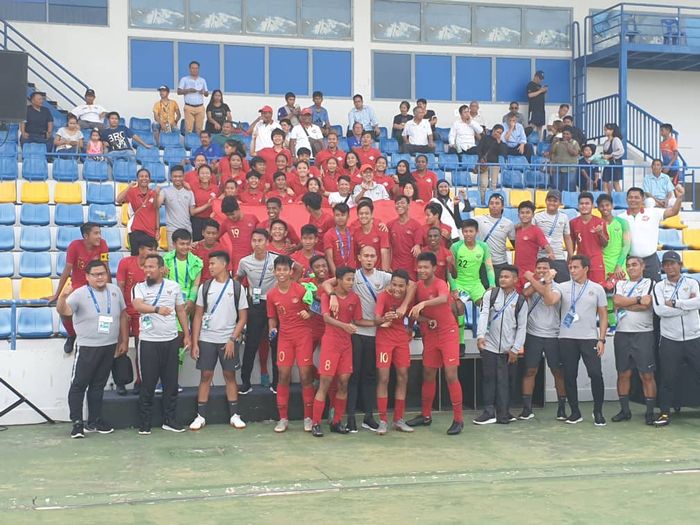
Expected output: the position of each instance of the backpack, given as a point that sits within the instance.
(518, 304)
(207, 285)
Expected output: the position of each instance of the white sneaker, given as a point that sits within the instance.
(282, 425)
(308, 424)
(382, 428)
(401, 426)
(237, 422)
(198, 423)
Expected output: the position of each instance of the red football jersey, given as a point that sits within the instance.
(585, 240)
(203, 252)
(442, 313)
(349, 310)
(403, 237)
(79, 256)
(269, 155)
(426, 183)
(444, 229)
(368, 156)
(323, 156)
(342, 245)
(145, 211)
(291, 232)
(235, 236)
(396, 332)
(202, 196)
(301, 259)
(286, 307)
(247, 197)
(375, 237)
(323, 223)
(129, 273)
(442, 255)
(528, 242)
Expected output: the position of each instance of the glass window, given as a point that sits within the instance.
(163, 14)
(547, 28)
(89, 12)
(24, 10)
(271, 17)
(215, 16)
(396, 21)
(326, 18)
(497, 26)
(392, 75)
(448, 23)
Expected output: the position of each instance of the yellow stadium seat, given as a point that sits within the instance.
(125, 214)
(674, 222)
(509, 245)
(68, 193)
(8, 191)
(480, 211)
(5, 289)
(541, 198)
(596, 213)
(35, 192)
(121, 186)
(35, 288)
(163, 239)
(518, 196)
(691, 237)
(691, 260)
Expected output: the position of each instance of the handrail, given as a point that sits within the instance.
(13, 304)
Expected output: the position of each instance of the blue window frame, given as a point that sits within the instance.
(392, 75)
(332, 72)
(152, 64)
(434, 77)
(473, 78)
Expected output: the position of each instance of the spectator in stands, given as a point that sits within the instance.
(658, 187)
(368, 188)
(429, 114)
(332, 151)
(299, 177)
(403, 174)
(262, 131)
(381, 177)
(536, 100)
(319, 114)
(418, 135)
(286, 126)
(410, 190)
(281, 189)
(426, 180)
(452, 208)
(562, 112)
(351, 168)
(363, 114)
(490, 149)
(589, 171)
(95, 147)
(366, 152)
(209, 149)
(344, 193)
(400, 121)
(514, 110)
(305, 135)
(232, 168)
(464, 133)
(195, 90)
(613, 151)
(178, 202)
(474, 112)
(516, 140)
(205, 192)
(90, 115)
(669, 152)
(218, 112)
(290, 110)
(144, 220)
(253, 193)
(191, 176)
(166, 113)
(355, 137)
(228, 132)
(38, 128)
(577, 134)
(69, 138)
(565, 151)
(116, 139)
(269, 155)
(329, 176)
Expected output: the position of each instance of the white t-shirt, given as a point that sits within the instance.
(65, 133)
(554, 116)
(302, 140)
(89, 113)
(263, 134)
(222, 318)
(417, 133)
(336, 198)
(644, 230)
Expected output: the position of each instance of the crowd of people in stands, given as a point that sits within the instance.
(360, 287)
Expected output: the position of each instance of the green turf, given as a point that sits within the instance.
(527, 472)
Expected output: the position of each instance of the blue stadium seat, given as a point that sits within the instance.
(443, 134)
(35, 264)
(192, 141)
(569, 199)
(449, 161)
(114, 259)
(432, 162)
(535, 179)
(34, 215)
(68, 215)
(96, 170)
(124, 170)
(113, 238)
(65, 236)
(174, 155)
(86, 135)
(147, 137)
(517, 162)
(388, 146)
(103, 214)
(33, 149)
(671, 239)
(144, 155)
(35, 168)
(596, 194)
(11, 135)
(161, 214)
(469, 162)
(170, 139)
(8, 149)
(511, 214)
(59, 120)
(5, 323)
(7, 264)
(383, 133)
(139, 125)
(7, 238)
(397, 157)
(461, 178)
(343, 144)
(7, 214)
(100, 193)
(35, 323)
(65, 170)
(338, 129)
(157, 171)
(619, 200)
(35, 239)
(60, 263)
(513, 179)
(8, 168)
(537, 162)
(571, 213)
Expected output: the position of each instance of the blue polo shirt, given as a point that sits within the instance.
(319, 116)
(213, 151)
(658, 187)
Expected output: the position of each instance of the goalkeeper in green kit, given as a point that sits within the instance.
(615, 252)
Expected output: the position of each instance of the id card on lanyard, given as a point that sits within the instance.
(571, 316)
(256, 293)
(104, 322)
(146, 321)
(206, 318)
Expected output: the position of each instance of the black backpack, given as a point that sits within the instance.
(518, 304)
(207, 285)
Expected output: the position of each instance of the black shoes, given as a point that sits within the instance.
(78, 431)
(121, 390)
(351, 425)
(622, 416)
(98, 426)
(173, 427)
(369, 423)
(337, 428)
(574, 418)
(136, 390)
(316, 431)
(244, 389)
(145, 430)
(526, 414)
(662, 421)
(649, 418)
(561, 413)
(455, 428)
(484, 419)
(420, 421)
(599, 419)
(69, 345)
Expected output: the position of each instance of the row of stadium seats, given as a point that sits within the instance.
(32, 323)
(43, 264)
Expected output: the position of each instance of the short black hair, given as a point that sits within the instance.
(194, 62)
(309, 229)
(544, 260)
(510, 268)
(434, 208)
(312, 200)
(303, 151)
(421, 100)
(220, 254)
(210, 223)
(401, 274)
(229, 204)
(402, 198)
(109, 115)
(181, 233)
(95, 264)
(427, 256)
(343, 177)
(341, 207)
(527, 204)
(315, 259)
(316, 94)
(252, 173)
(277, 131)
(470, 223)
(637, 189)
(177, 167)
(284, 260)
(158, 258)
(204, 132)
(367, 132)
(357, 95)
(279, 221)
(365, 203)
(256, 160)
(585, 261)
(586, 195)
(261, 231)
(342, 271)
(497, 127)
(148, 242)
(87, 227)
(290, 94)
(667, 126)
(274, 200)
(603, 197)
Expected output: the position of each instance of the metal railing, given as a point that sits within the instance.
(13, 304)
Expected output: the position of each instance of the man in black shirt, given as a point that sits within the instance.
(39, 124)
(490, 147)
(577, 134)
(535, 95)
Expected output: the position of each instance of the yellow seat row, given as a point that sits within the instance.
(29, 288)
(38, 192)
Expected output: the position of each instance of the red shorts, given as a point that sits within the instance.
(317, 330)
(389, 353)
(334, 359)
(295, 349)
(596, 272)
(134, 325)
(441, 348)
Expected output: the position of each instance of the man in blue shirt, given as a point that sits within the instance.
(195, 90)
(319, 114)
(116, 139)
(211, 150)
(515, 138)
(365, 115)
(658, 187)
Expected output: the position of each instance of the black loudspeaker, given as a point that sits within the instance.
(13, 86)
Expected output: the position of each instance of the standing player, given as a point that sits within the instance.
(288, 317)
(440, 343)
(445, 259)
(323, 221)
(555, 226)
(184, 268)
(589, 235)
(366, 233)
(494, 229)
(337, 242)
(393, 339)
(236, 230)
(336, 350)
(634, 338)
(405, 238)
(273, 206)
(529, 239)
(433, 212)
(144, 220)
(209, 244)
(309, 240)
(615, 252)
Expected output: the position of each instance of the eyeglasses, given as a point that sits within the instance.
(98, 275)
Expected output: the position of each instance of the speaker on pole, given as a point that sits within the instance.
(13, 86)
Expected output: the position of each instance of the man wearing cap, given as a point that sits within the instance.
(368, 189)
(676, 302)
(559, 115)
(494, 230)
(195, 90)
(365, 115)
(262, 130)
(535, 95)
(90, 115)
(555, 226)
(417, 134)
(166, 113)
(304, 133)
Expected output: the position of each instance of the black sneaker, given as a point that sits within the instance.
(145, 430)
(338, 428)
(245, 388)
(173, 427)
(462, 350)
(455, 428)
(121, 390)
(561, 413)
(69, 345)
(484, 419)
(599, 419)
(662, 421)
(574, 418)
(78, 431)
(351, 425)
(622, 416)
(649, 418)
(419, 421)
(316, 431)
(98, 426)
(136, 390)
(503, 421)
(369, 423)
(510, 417)
(526, 414)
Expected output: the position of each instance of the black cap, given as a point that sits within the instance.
(553, 194)
(671, 256)
(164, 87)
(540, 74)
(90, 92)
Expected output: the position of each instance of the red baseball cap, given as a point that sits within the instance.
(306, 111)
(265, 109)
(366, 167)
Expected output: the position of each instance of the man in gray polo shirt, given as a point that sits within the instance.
(179, 203)
(494, 229)
(583, 302)
(555, 225)
(102, 331)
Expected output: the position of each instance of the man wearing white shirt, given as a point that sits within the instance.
(262, 131)
(90, 115)
(195, 90)
(474, 112)
(303, 133)
(369, 189)
(464, 133)
(559, 115)
(417, 134)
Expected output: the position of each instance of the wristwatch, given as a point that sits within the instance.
(601, 341)
(639, 300)
(673, 303)
(157, 309)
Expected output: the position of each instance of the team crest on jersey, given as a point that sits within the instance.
(81, 264)
(104, 257)
(375, 239)
(295, 300)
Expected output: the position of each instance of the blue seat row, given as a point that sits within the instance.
(38, 238)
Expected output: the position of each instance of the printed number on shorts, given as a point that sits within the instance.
(383, 357)
(327, 365)
(281, 356)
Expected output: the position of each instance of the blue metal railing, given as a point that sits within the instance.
(13, 304)
(64, 85)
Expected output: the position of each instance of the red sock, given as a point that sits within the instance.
(68, 325)
(382, 403)
(283, 401)
(307, 394)
(427, 396)
(339, 406)
(332, 391)
(456, 399)
(399, 408)
(318, 411)
(263, 352)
